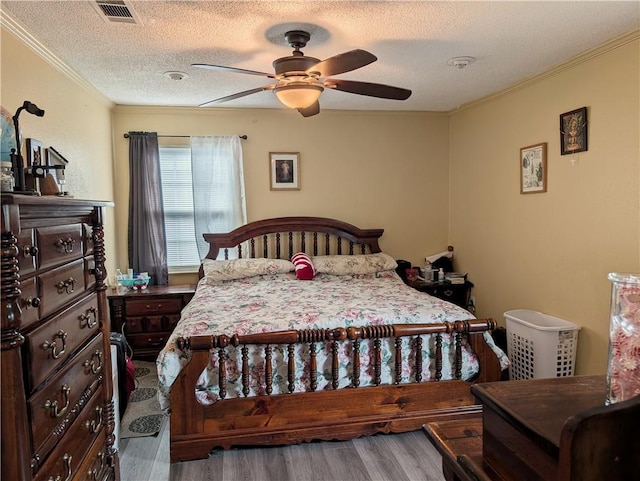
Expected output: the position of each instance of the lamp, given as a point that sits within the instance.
(17, 162)
(298, 95)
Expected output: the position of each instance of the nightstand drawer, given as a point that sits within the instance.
(152, 306)
(148, 340)
(458, 294)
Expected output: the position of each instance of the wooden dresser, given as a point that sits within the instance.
(57, 406)
(147, 317)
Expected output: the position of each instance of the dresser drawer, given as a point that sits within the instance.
(29, 302)
(89, 273)
(28, 252)
(54, 342)
(94, 466)
(153, 306)
(59, 244)
(88, 239)
(49, 406)
(66, 459)
(61, 286)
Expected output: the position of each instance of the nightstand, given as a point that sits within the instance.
(459, 294)
(147, 317)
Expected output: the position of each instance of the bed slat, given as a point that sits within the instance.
(438, 374)
(356, 363)
(268, 369)
(418, 348)
(313, 367)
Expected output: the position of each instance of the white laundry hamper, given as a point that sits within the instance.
(539, 345)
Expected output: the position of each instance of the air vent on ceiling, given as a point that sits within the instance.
(116, 11)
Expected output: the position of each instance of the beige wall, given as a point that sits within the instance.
(552, 252)
(77, 123)
(428, 179)
(372, 169)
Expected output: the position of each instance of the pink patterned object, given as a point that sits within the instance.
(623, 375)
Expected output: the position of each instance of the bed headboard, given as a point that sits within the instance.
(282, 237)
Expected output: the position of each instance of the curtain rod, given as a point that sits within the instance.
(243, 137)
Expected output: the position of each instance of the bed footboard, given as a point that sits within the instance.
(341, 414)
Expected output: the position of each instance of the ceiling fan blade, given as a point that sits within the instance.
(237, 96)
(370, 89)
(344, 62)
(233, 69)
(311, 110)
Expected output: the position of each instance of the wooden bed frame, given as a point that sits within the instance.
(338, 414)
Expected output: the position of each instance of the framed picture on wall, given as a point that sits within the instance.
(573, 131)
(284, 170)
(533, 169)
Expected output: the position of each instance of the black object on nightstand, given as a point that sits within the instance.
(459, 294)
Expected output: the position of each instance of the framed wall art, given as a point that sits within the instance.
(573, 131)
(284, 170)
(35, 155)
(533, 169)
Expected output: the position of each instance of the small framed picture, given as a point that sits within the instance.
(284, 170)
(573, 131)
(35, 155)
(533, 169)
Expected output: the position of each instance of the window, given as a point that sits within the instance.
(177, 200)
(211, 200)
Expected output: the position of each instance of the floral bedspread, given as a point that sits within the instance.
(269, 303)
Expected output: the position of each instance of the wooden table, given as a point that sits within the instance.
(542, 430)
(525, 420)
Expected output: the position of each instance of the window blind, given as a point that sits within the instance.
(177, 199)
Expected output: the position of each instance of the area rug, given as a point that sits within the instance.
(143, 416)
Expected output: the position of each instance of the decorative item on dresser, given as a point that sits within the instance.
(147, 317)
(57, 392)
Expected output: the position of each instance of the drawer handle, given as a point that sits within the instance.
(30, 251)
(85, 319)
(67, 467)
(67, 286)
(159, 342)
(448, 292)
(65, 245)
(148, 307)
(53, 345)
(90, 364)
(31, 302)
(94, 426)
(53, 405)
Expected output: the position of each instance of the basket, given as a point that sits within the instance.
(540, 345)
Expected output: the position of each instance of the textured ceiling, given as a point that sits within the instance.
(511, 41)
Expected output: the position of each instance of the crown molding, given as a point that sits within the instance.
(13, 26)
(603, 49)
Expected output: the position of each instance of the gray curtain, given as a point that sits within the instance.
(147, 239)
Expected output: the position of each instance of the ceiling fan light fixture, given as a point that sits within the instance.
(298, 96)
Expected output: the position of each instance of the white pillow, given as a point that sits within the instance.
(215, 271)
(356, 264)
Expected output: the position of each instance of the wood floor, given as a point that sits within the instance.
(393, 457)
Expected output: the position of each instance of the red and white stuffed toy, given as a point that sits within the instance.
(304, 267)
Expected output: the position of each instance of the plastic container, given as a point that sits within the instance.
(540, 345)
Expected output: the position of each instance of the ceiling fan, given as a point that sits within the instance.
(301, 80)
